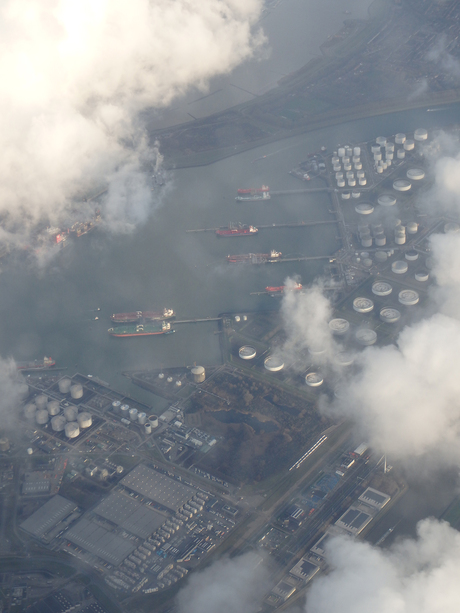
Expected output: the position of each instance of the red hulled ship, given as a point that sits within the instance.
(283, 288)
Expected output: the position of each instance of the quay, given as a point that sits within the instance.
(196, 321)
(296, 224)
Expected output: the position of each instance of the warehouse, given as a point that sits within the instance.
(304, 569)
(374, 498)
(48, 516)
(353, 520)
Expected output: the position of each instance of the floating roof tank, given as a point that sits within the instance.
(364, 208)
(400, 138)
(246, 352)
(401, 154)
(408, 297)
(401, 185)
(64, 385)
(58, 423)
(451, 227)
(85, 419)
(365, 336)
(76, 390)
(389, 315)
(381, 288)
(381, 140)
(355, 194)
(53, 407)
(411, 255)
(30, 410)
(399, 267)
(420, 134)
(415, 174)
(273, 364)
(409, 145)
(422, 276)
(386, 200)
(42, 416)
(70, 413)
(153, 421)
(198, 374)
(344, 358)
(381, 256)
(314, 379)
(339, 326)
(148, 428)
(346, 195)
(363, 305)
(41, 401)
(412, 227)
(72, 430)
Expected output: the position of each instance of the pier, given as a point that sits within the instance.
(296, 224)
(196, 321)
(312, 190)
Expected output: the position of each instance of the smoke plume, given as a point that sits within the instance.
(74, 77)
(414, 576)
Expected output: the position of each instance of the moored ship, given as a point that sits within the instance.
(283, 288)
(137, 316)
(36, 364)
(149, 329)
(237, 230)
(255, 258)
(253, 193)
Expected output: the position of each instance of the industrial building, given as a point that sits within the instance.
(40, 523)
(354, 520)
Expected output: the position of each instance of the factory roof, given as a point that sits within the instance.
(100, 542)
(158, 487)
(353, 520)
(48, 515)
(304, 570)
(130, 514)
(284, 589)
(374, 498)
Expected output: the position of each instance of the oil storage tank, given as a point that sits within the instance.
(41, 401)
(72, 430)
(58, 423)
(29, 411)
(53, 407)
(76, 390)
(84, 419)
(198, 374)
(70, 413)
(64, 385)
(247, 352)
(273, 364)
(42, 416)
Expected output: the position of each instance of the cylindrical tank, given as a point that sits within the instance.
(337, 167)
(356, 159)
(377, 157)
(365, 336)
(29, 411)
(41, 401)
(400, 239)
(23, 390)
(355, 194)
(237, 318)
(351, 182)
(72, 430)
(390, 147)
(412, 227)
(366, 241)
(364, 208)
(363, 305)
(422, 276)
(344, 358)
(389, 315)
(124, 410)
(381, 141)
(339, 175)
(379, 169)
(358, 165)
(198, 374)
(273, 364)
(399, 267)
(360, 174)
(347, 166)
(346, 159)
(346, 195)
(53, 407)
(401, 185)
(350, 174)
(161, 375)
(4, 444)
(246, 352)
(363, 181)
(409, 145)
(341, 183)
(411, 255)
(380, 241)
(314, 379)
(357, 151)
(153, 421)
(367, 262)
(381, 288)
(70, 413)
(42, 416)
(116, 404)
(381, 256)
(401, 154)
(420, 134)
(178, 383)
(408, 297)
(389, 156)
(335, 159)
(400, 138)
(133, 414)
(58, 423)
(64, 385)
(375, 149)
(76, 390)
(85, 419)
(348, 151)
(30, 451)
(341, 152)
(451, 227)
(415, 174)
(339, 326)
(148, 428)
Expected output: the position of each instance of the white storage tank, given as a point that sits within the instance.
(449, 228)
(344, 358)
(400, 138)
(357, 151)
(346, 195)
(273, 364)
(377, 157)
(29, 411)
(23, 390)
(381, 256)
(341, 183)
(358, 165)
(412, 227)
(41, 401)
(314, 379)
(400, 238)
(76, 390)
(420, 134)
(408, 297)
(401, 154)
(341, 152)
(64, 385)
(148, 428)
(366, 241)
(363, 181)
(124, 410)
(133, 414)
(375, 149)
(409, 145)
(415, 174)
(153, 421)
(142, 417)
(85, 420)
(399, 267)
(364, 208)
(363, 305)
(53, 407)
(72, 430)
(246, 352)
(380, 241)
(58, 423)
(381, 288)
(42, 416)
(365, 336)
(352, 182)
(389, 315)
(355, 194)
(347, 166)
(381, 141)
(198, 374)
(339, 326)
(116, 404)
(422, 276)
(379, 169)
(401, 185)
(411, 255)
(70, 413)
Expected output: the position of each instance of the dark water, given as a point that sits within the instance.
(50, 312)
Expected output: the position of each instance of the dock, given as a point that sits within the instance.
(296, 224)
(196, 321)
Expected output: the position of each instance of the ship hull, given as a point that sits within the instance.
(251, 198)
(129, 334)
(35, 365)
(136, 316)
(237, 232)
(141, 330)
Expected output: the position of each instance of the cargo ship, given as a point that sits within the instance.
(253, 193)
(283, 288)
(255, 258)
(139, 316)
(36, 364)
(142, 329)
(237, 230)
